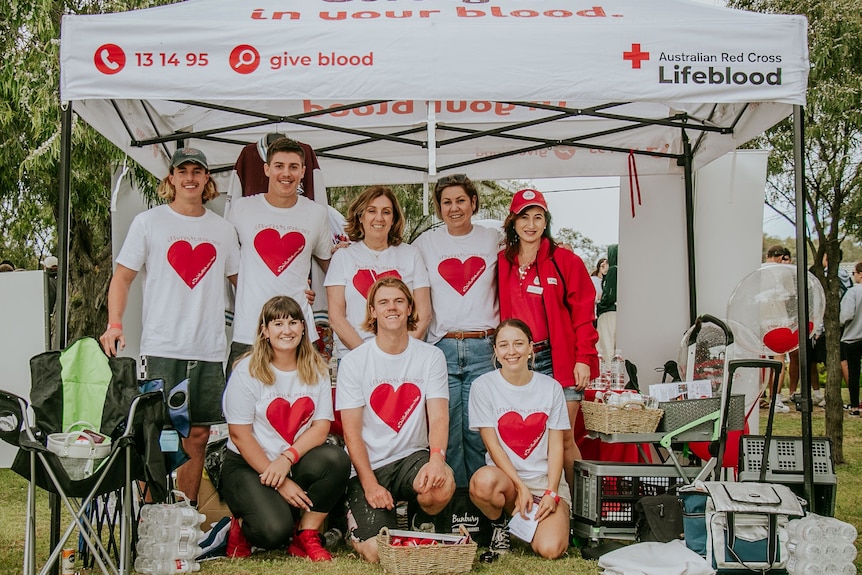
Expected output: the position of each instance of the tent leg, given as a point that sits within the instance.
(802, 300)
(689, 228)
(63, 219)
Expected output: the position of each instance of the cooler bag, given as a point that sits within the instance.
(739, 526)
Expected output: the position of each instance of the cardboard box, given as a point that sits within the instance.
(209, 504)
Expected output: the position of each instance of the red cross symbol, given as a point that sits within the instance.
(636, 55)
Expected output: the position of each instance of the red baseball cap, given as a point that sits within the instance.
(528, 198)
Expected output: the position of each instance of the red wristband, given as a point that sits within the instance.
(295, 454)
(115, 326)
(439, 450)
(552, 494)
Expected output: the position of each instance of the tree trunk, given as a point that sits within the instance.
(834, 402)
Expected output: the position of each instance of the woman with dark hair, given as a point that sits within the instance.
(522, 420)
(462, 265)
(551, 291)
(375, 224)
(278, 406)
(851, 336)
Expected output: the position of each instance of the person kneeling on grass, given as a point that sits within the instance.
(278, 406)
(521, 416)
(393, 396)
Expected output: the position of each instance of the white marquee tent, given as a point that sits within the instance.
(401, 90)
(393, 91)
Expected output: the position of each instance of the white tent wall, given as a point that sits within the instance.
(652, 281)
(22, 305)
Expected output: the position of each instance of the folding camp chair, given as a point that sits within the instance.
(81, 383)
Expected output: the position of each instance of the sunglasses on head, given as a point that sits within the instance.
(453, 179)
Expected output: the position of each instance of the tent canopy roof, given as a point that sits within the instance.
(389, 91)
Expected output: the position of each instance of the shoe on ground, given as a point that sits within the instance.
(500, 540)
(422, 522)
(817, 398)
(780, 407)
(855, 412)
(307, 543)
(237, 545)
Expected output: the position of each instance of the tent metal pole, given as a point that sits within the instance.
(63, 224)
(689, 227)
(802, 300)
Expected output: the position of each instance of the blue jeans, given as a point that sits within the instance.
(542, 364)
(466, 359)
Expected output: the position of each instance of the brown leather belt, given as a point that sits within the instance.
(541, 345)
(469, 334)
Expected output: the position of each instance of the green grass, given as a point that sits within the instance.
(520, 562)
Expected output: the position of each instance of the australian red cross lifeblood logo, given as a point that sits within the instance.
(109, 59)
(636, 56)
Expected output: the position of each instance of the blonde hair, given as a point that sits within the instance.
(168, 191)
(310, 366)
(353, 228)
(371, 322)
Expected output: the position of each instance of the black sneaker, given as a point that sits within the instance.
(854, 412)
(500, 542)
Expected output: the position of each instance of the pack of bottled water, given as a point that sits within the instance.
(820, 546)
(168, 537)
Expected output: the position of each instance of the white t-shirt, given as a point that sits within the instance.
(278, 413)
(276, 246)
(392, 390)
(357, 267)
(186, 259)
(521, 416)
(463, 274)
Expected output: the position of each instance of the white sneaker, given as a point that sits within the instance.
(817, 398)
(780, 407)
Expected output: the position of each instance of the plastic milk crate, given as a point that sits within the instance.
(784, 466)
(605, 495)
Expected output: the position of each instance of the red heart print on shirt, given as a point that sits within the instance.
(287, 419)
(191, 263)
(364, 279)
(395, 406)
(278, 251)
(522, 435)
(461, 275)
(783, 339)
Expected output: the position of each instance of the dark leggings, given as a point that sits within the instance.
(853, 353)
(268, 520)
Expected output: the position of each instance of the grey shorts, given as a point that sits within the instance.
(206, 385)
(398, 478)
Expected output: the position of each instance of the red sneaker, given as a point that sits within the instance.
(306, 543)
(237, 545)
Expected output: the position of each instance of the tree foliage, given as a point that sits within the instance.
(833, 149)
(30, 113)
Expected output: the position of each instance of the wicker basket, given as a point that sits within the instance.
(425, 559)
(631, 418)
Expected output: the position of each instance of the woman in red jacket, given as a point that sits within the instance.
(551, 291)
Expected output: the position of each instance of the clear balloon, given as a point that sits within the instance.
(765, 302)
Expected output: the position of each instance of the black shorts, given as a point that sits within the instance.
(398, 478)
(205, 387)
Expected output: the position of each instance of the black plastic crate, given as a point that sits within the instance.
(605, 493)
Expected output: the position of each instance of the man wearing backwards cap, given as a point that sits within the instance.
(187, 251)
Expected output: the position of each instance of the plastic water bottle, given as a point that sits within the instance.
(600, 382)
(836, 528)
(618, 371)
(805, 529)
(809, 551)
(796, 566)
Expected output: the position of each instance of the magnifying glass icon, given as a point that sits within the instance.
(245, 58)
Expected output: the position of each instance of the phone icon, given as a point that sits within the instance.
(109, 59)
(105, 55)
